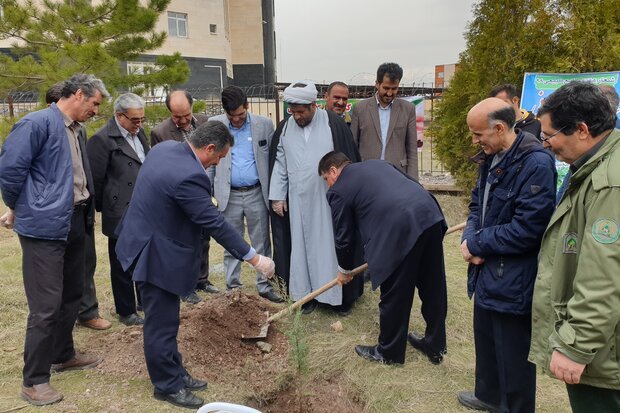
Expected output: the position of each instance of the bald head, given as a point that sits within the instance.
(179, 104)
(491, 123)
(491, 110)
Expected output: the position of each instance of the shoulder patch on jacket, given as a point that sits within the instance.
(605, 231)
(535, 189)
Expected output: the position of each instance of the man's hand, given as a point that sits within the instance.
(467, 255)
(7, 219)
(264, 265)
(344, 278)
(279, 207)
(565, 369)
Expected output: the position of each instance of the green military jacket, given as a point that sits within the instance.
(576, 307)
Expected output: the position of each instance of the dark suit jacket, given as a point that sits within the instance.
(389, 208)
(160, 232)
(167, 130)
(115, 167)
(402, 138)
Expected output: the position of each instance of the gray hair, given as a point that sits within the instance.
(212, 132)
(88, 84)
(505, 115)
(128, 101)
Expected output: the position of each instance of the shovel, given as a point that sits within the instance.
(289, 310)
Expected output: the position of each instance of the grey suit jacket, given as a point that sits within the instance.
(167, 130)
(401, 143)
(262, 131)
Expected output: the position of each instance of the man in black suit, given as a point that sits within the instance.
(116, 153)
(402, 229)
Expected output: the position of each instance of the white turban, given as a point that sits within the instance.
(301, 95)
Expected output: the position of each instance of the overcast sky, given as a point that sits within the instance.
(327, 40)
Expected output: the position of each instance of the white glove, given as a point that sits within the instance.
(7, 219)
(279, 207)
(265, 266)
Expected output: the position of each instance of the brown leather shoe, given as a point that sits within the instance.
(96, 323)
(79, 362)
(40, 394)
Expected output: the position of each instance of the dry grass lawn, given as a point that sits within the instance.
(418, 386)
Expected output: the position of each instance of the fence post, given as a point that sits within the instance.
(9, 100)
(277, 97)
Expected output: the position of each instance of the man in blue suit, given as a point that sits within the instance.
(160, 240)
(402, 229)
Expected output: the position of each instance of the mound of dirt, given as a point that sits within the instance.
(317, 396)
(210, 342)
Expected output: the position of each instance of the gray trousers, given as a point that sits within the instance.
(251, 206)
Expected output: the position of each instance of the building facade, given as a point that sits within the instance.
(223, 41)
(443, 75)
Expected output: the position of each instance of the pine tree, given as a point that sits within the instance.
(507, 38)
(55, 39)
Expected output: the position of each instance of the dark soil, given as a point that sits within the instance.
(210, 342)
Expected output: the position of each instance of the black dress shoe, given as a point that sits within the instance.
(419, 343)
(371, 353)
(131, 320)
(272, 296)
(309, 307)
(343, 310)
(192, 298)
(208, 288)
(469, 400)
(191, 383)
(182, 398)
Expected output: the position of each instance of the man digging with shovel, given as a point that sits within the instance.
(402, 229)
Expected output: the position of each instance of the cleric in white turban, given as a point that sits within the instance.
(305, 234)
(301, 93)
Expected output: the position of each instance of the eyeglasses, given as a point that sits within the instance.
(135, 121)
(545, 139)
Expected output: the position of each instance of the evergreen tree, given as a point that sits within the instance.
(507, 38)
(55, 39)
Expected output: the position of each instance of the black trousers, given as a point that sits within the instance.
(423, 268)
(203, 279)
(504, 376)
(161, 326)
(123, 288)
(281, 237)
(589, 399)
(53, 280)
(89, 305)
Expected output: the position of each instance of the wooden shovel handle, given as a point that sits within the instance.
(333, 283)
(313, 295)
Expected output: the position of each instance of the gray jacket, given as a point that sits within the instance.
(262, 132)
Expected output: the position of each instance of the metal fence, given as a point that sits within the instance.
(264, 100)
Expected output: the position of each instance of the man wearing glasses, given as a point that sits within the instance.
(575, 317)
(116, 153)
(509, 211)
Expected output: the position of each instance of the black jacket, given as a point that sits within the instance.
(388, 207)
(115, 167)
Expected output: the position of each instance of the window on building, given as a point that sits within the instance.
(177, 24)
(149, 93)
(213, 28)
(440, 75)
